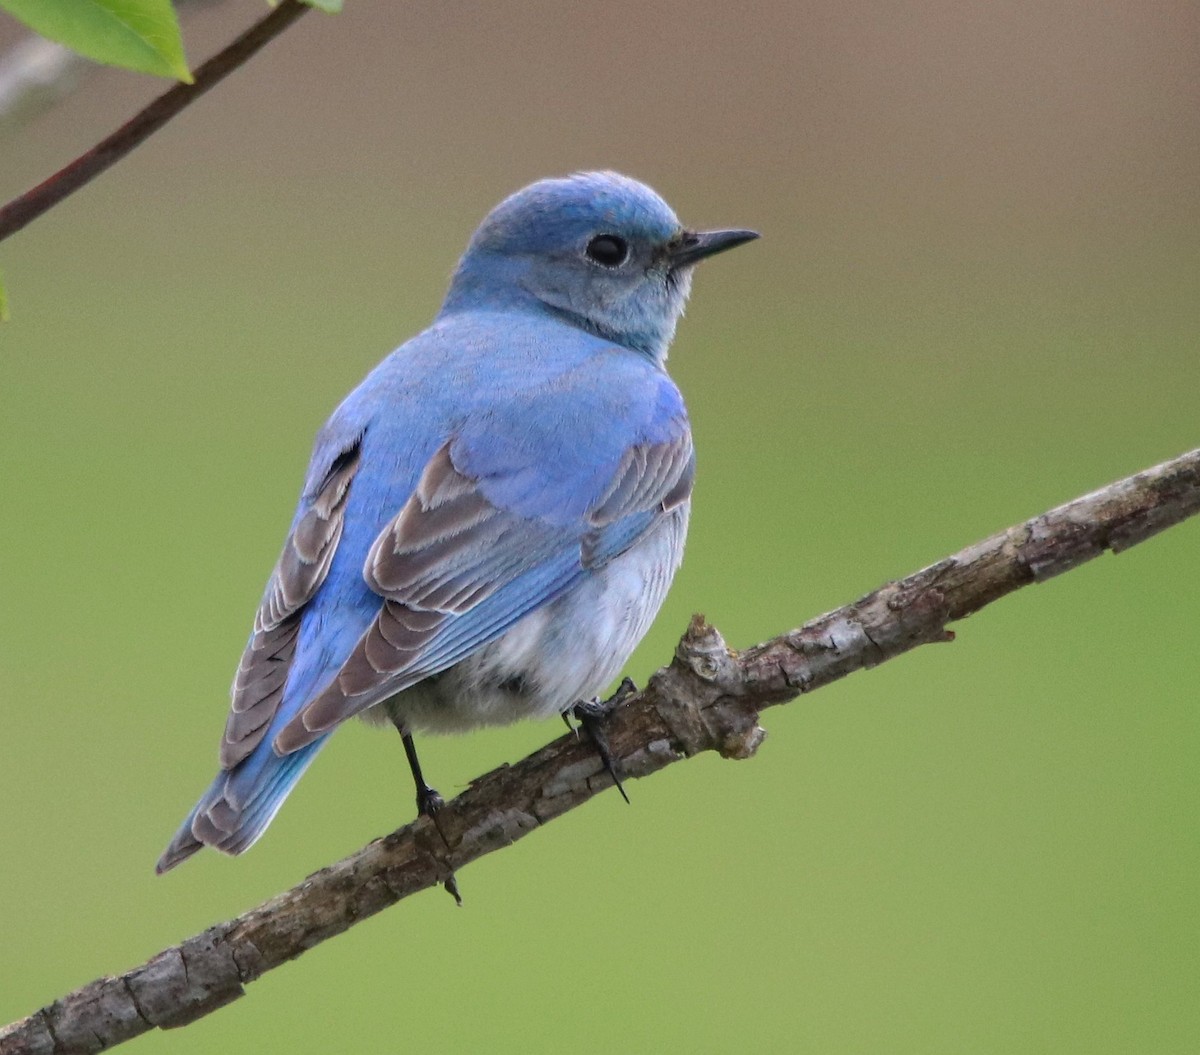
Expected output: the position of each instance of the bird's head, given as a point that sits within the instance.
(597, 249)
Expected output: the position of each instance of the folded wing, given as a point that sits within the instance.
(454, 571)
(302, 567)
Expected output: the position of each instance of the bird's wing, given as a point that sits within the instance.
(298, 574)
(458, 565)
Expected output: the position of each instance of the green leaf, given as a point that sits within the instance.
(141, 35)
(331, 7)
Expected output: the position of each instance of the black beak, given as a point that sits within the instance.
(694, 246)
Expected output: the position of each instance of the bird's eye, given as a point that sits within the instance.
(608, 250)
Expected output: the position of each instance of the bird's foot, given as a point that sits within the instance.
(592, 717)
(429, 802)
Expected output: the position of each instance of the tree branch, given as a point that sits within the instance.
(708, 699)
(29, 206)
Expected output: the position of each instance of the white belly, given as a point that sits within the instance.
(556, 656)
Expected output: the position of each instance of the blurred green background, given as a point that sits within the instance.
(977, 296)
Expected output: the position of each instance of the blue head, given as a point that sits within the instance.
(597, 249)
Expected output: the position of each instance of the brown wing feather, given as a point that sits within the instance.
(445, 521)
(445, 514)
(646, 472)
(302, 567)
(649, 474)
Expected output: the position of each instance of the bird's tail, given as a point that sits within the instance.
(239, 803)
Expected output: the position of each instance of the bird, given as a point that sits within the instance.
(491, 520)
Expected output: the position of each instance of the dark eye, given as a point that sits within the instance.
(608, 250)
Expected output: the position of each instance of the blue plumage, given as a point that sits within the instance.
(491, 520)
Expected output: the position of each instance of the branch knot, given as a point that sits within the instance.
(701, 696)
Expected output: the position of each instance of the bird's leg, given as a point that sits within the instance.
(592, 716)
(428, 801)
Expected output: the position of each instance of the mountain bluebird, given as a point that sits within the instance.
(491, 520)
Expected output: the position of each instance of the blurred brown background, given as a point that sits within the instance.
(977, 295)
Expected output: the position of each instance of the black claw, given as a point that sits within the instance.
(591, 716)
(428, 801)
(428, 804)
(626, 689)
(566, 717)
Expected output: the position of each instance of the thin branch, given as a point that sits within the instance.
(29, 206)
(708, 699)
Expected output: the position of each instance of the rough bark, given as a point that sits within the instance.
(707, 699)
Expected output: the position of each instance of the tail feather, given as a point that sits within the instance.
(239, 804)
